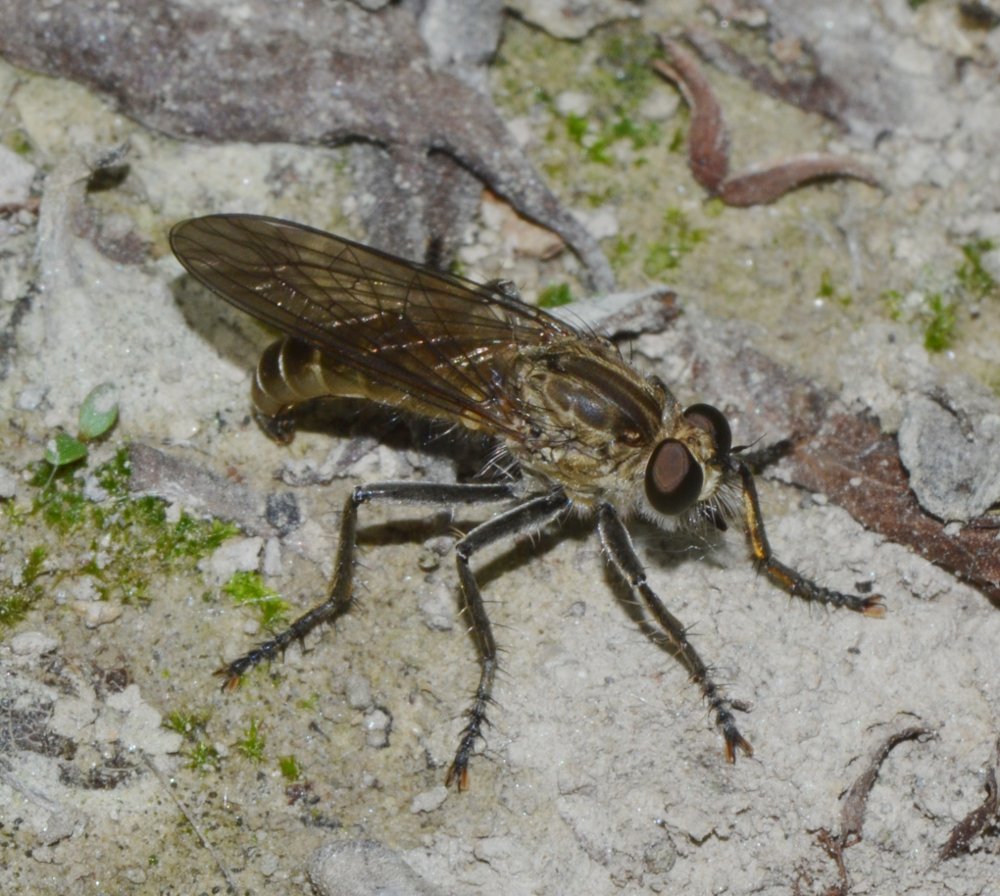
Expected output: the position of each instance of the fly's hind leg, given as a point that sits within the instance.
(618, 547)
(525, 517)
(340, 594)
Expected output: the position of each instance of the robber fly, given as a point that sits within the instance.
(589, 434)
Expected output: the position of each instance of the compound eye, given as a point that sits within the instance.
(673, 478)
(714, 422)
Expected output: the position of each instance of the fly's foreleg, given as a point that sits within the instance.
(340, 593)
(525, 517)
(621, 554)
(784, 576)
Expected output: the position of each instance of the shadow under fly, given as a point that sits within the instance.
(578, 430)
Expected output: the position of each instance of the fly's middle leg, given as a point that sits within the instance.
(340, 594)
(525, 517)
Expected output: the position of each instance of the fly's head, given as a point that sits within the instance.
(687, 475)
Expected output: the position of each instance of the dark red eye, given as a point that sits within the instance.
(673, 478)
(713, 421)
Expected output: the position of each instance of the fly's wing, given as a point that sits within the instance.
(438, 337)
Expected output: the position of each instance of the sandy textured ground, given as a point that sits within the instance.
(604, 773)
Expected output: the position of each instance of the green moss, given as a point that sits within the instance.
(597, 138)
(943, 304)
(203, 757)
(624, 65)
(618, 75)
(576, 128)
(117, 540)
(290, 769)
(677, 142)
(622, 251)
(33, 567)
(59, 500)
(940, 329)
(714, 207)
(825, 290)
(828, 291)
(114, 475)
(249, 588)
(17, 599)
(15, 603)
(192, 538)
(639, 135)
(676, 239)
(893, 301)
(19, 142)
(614, 76)
(946, 297)
(555, 295)
(971, 274)
(252, 743)
(189, 724)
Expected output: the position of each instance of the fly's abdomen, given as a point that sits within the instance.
(288, 373)
(291, 372)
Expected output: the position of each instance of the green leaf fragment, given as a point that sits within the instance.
(99, 412)
(64, 449)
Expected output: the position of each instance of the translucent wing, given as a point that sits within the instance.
(403, 325)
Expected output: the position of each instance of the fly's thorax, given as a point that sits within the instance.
(588, 419)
